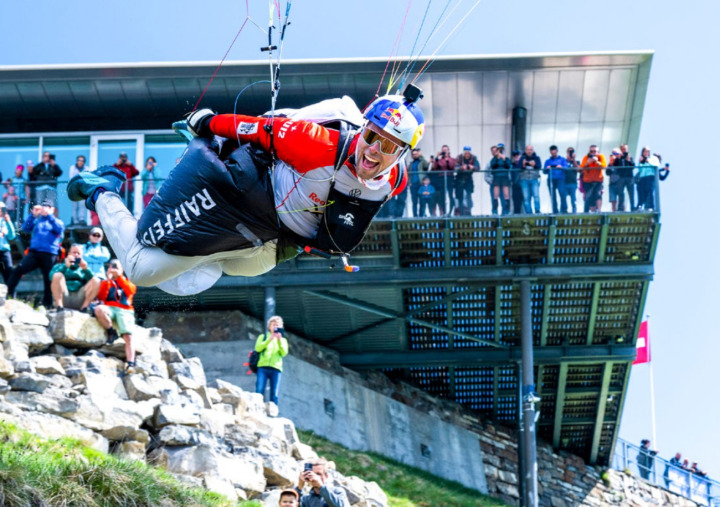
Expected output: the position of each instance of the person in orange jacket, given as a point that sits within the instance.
(593, 165)
(115, 296)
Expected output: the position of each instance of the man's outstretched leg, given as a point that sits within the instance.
(145, 266)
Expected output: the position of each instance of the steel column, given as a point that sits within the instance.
(600, 418)
(529, 398)
(559, 404)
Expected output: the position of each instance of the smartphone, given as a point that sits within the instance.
(308, 467)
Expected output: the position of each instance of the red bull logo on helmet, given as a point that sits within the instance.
(392, 115)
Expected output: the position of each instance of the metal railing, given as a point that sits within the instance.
(660, 472)
(459, 193)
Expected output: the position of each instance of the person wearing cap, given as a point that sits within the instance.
(44, 178)
(623, 166)
(46, 234)
(22, 190)
(223, 210)
(127, 191)
(7, 234)
(465, 166)
(442, 174)
(500, 166)
(96, 254)
(555, 169)
(79, 211)
(648, 163)
(288, 498)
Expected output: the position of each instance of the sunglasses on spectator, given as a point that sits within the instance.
(387, 146)
(96, 235)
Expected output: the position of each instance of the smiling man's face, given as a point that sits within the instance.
(370, 161)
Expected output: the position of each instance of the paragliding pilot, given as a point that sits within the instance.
(250, 192)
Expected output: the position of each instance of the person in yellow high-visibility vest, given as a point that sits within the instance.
(272, 347)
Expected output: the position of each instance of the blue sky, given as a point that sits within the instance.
(680, 121)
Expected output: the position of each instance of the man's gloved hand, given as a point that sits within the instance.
(198, 122)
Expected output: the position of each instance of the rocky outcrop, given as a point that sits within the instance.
(58, 379)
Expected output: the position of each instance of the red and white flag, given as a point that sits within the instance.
(643, 345)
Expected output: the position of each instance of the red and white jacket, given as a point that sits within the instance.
(306, 153)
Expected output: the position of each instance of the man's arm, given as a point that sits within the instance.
(28, 224)
(126, 285)
(303, 145)
(57, 226)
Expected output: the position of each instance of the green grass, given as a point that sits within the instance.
(35, 471)
(405, 486)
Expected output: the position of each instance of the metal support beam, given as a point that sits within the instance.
(600, 417)
(602, 245)
(529, 398)
(547, 294)
(395, 244)
(499, 243)
(551, 240)
(498, 312)
(593, 312)
(486, 356)
(654, 241)
(269, 309)
(385, 312)
(449, 315)
(559, 404)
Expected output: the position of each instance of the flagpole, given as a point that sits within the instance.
(652, 387)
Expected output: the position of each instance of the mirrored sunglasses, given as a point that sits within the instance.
(387, 146)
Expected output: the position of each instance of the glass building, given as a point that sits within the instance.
(101, 110)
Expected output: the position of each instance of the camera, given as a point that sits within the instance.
(280, 330)
(77, 261)
(114, 265)
(308, 467)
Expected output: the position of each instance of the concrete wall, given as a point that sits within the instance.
(355, 416)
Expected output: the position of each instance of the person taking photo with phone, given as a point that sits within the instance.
(323, 493)
(272, 347)
(72, 283)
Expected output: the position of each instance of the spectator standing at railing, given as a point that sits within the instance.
(571, 179)
(7, 234)
(79, 211)
(44, 177)
(488, 177)
(500, 166)
(675, 464)
(530, 178)
(96, 254)
(614, 178)
(647, 165)
(417, 167)
(11, 201)
(22, 190)
(555, 169)
(593, 165)
(426, 194)
(466, 165)
(516, 188)
(645, 459)
(127, 191)
(441, 177)
(624, 167)
(47, 232)
(150, 182)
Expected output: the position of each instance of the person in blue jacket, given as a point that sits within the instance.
(96, 254)
(555, 168)
(47, 233)
(7, 234)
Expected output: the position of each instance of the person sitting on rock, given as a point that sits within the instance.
(289, 498)
(322, 493)
(115, 296)
(72, 283)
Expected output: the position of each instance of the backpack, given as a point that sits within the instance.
(252, 364)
